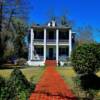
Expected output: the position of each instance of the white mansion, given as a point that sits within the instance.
(51, 42)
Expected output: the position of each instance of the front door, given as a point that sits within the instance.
(51, 53)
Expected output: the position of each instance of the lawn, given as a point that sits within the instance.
(67, 74)
(31, 73)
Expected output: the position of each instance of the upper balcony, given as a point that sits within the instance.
(50, 41)
(51, 37)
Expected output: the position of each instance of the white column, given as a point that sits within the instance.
(70, 42)
(44, 45)
(57, 45)
(31, 45)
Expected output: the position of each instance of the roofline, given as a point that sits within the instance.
(51, 27)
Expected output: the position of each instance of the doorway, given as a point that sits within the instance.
(51, 53)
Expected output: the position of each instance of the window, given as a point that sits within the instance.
(63, 34)
(63, 51)
(38, 34)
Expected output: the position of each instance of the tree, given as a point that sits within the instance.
(1, 7)
(10, 11)
(86, 58)
(21, 29)
(64, 21)
(85, 35)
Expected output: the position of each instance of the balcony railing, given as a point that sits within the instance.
(63, 41)
(50, 41)
(38, 40)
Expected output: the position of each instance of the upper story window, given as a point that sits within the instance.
(38, 34)
(63, 35)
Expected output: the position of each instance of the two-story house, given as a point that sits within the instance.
(50, 42)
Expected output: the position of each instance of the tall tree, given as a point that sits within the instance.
(85, 34)
(1, 11)
(65, 21)
(9, 12)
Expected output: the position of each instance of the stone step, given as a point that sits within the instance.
(51, 63)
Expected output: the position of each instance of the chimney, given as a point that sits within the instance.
(53, 23)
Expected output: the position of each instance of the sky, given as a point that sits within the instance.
(81, 12)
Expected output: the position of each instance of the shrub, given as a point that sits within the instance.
(7, 90)
(23, 86)
(19, 80)
(2, 85)
(16, 88)
(2, 82)
(86, 58)
(21, 61)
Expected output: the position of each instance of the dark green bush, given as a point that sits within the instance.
(7, 90)
(16, 88)
(20, 61)
(86, 58)
(2, 85)
(19, 80)
(23, 86)
(2, 82)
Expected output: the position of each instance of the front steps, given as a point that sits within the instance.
(51, 63)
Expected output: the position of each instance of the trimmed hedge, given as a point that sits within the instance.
(19, 80)
(7, 90)
(86, 58)
(16, 88)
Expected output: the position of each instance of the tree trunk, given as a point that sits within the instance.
(1, 8)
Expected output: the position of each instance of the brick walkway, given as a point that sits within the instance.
(52, 87)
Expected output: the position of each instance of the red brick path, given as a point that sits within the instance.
(52, 87)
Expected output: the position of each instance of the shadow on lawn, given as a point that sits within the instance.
(60, 95)
(90, 81)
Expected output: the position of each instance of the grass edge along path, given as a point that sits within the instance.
(52, 87)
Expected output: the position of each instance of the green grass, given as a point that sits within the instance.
(33, 73)
(98, 73)
(67, 73)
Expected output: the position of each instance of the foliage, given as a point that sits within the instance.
(7, 90)
(66, 22)
(2, 83)
(21, 61)
(19, 80)
(16, 88)
(19, 43)
(23, 95)
(13, 15)
(86, 58)
(85, 34)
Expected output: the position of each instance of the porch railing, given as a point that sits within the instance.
(63, 58)
(38, 58)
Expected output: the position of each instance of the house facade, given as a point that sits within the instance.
(51, 42)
